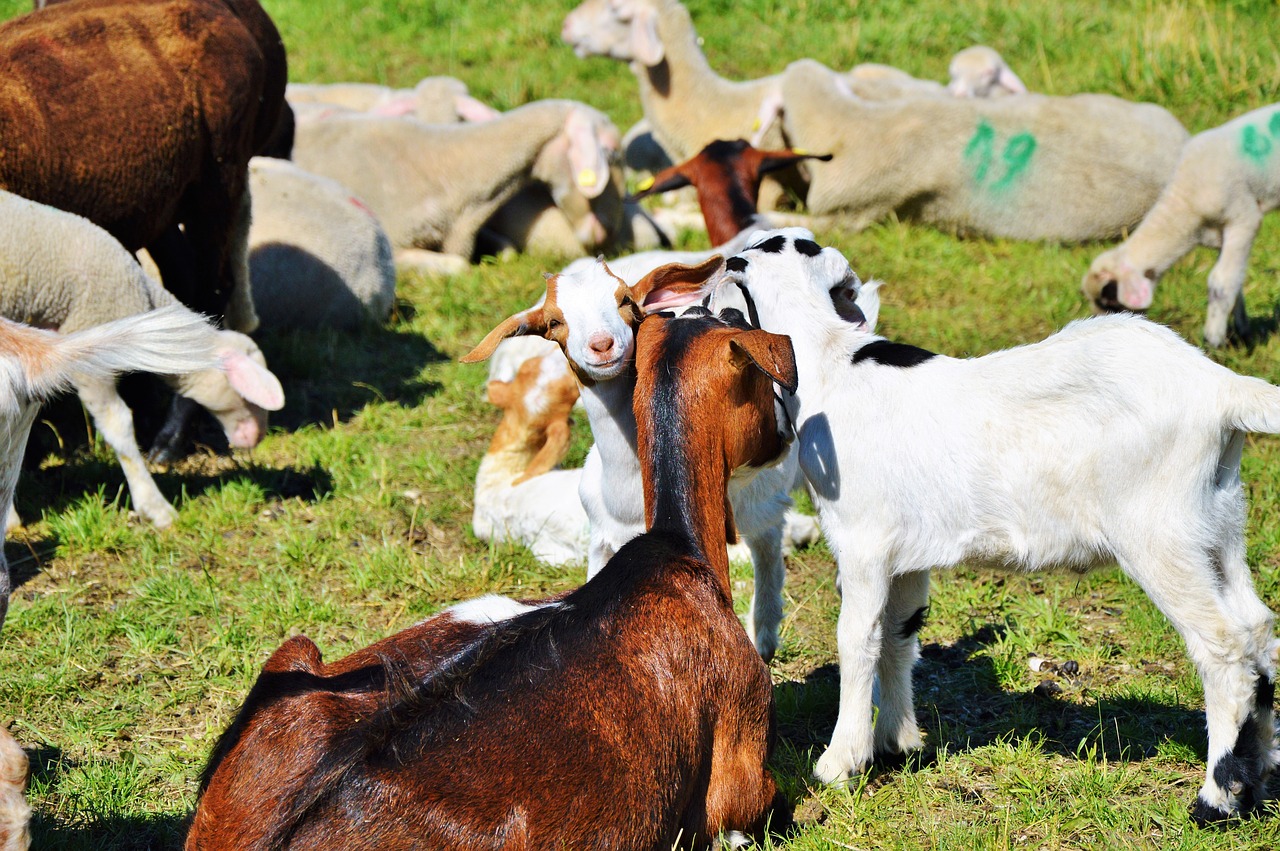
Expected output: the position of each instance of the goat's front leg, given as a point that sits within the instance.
(859, 633)
(1226, 280)
(896, 729)
(766, 600)
(114, 422)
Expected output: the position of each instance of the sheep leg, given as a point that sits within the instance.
(766, 600)
(896, 729)
(859, 632)
(1226, 280)
(114, 422)
(1237, 683)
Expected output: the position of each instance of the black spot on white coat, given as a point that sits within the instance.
(736, 264)
(888, 353)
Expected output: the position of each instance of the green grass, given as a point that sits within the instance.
(127, 651)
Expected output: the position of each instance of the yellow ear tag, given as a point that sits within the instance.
(755, 125)
(644, 184)
(802, 152)
(587, 177)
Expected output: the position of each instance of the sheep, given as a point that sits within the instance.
(591, 313)
(65, 273)
(921, 461)
(1005, 167)
(473, 168)
(434, 100)
(519, 495)
(980, 72)
(318, 257)
(15, 812)
(35, 363)
(508, 723)
(727, 176)
(205, 83)
(1226, 180)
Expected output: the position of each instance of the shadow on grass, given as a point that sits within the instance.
(961, 706)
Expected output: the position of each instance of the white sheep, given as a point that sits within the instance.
(1226, 180)
(318, 257)
(1112, 441)
(1029, 167)
(980, 72)
(434, 100)
(64, 272)
(434, 186)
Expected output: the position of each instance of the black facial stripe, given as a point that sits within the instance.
(751, 304)
(737, 263)
(772, 245)
(888, 353)
(808, 247)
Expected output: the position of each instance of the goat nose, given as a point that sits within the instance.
(600, 343)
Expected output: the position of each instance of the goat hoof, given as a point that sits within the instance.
(1208, 815)
(830, 768)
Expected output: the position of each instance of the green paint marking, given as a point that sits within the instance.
(980, 152)
(1254, 145)
(982, 146)
(1017, 156)
(1273, 127)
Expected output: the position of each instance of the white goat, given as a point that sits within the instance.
(920, 462)
(592, 314)
(1226, 180)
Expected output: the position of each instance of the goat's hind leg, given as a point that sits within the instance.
(896, 731)
(765, 620)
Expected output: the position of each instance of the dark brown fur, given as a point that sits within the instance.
(635, 714)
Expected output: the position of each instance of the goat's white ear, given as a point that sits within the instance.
(868, 301)
(677, 284)
(587, 157)
(772, 354)
(646, 47)
(253, 381)
(531, 321)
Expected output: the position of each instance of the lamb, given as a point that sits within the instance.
(474, 168)
(1226, 180)
(434, 100)
(68, 274)
(727, 176)
(519, 495)
(592, 315)
(980, 72)
(920, 461)
(1005, 167)
(534, 726)
(318, 257)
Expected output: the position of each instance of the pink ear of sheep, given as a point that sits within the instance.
(587, 156)
(1011, 81)
(646, 47)
(253, 381)
(474, 111)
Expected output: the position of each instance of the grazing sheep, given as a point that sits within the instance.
(15, 812)
(204, 84)
(65, 273)
(35, 364)
(919, 461)
(519, 495)
(318, 257)
(535, 726)
(434, 100)
(1005, 167)
(473, 169)
(1227, 179)
(980, 72)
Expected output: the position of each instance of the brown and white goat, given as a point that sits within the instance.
(631, 713)
(727, 175)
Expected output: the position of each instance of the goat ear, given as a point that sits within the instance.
(646, 47)
(777, 160)
(664, 181)
(677, 284)
(253, 381)
(531, 321)
(499, 393)
(587, 157)
(770, 353)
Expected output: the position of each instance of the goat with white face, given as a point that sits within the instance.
(592, 315)
(920, 461)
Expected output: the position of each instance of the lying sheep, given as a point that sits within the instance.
(434, 100)
(976, 72)
(65, 273)
(1112, 441)
(318, 257)
(1227, 179)
(1007, 167)
(435, 186)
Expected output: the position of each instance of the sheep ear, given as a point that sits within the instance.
(531, 321)
(499, 393)
(253, 381)
(772, 354)
(664, 181)
(472, 110)
(646, 47)
(1011, 81)
(587, 157)
(677, 284)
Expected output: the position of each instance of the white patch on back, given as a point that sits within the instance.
(491, 608)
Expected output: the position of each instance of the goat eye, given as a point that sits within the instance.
(553, 324)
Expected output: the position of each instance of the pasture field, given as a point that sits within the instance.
(127, 651)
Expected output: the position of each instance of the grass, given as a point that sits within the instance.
(127, 651)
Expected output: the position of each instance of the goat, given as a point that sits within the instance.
(631, 713)
(15, 812)
(920, 461)
(727, 177)
(592, 314)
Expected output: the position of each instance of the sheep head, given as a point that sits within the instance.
(1112, 284)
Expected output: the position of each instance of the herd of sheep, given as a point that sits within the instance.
(714, 387)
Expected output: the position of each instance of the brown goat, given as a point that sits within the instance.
(141, 115)
(631, 713)
(727, 176)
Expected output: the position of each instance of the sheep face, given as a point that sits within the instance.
(580, 168)
(1111, 284)
(592, 29)
(239, 392)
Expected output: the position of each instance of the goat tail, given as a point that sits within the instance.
(171, 340)
(1252, 405)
